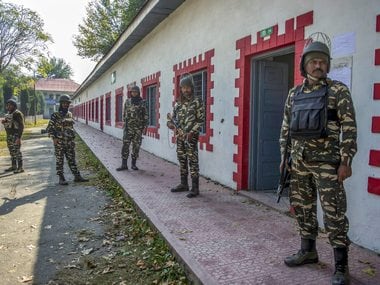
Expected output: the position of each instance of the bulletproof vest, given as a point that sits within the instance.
(309, 114)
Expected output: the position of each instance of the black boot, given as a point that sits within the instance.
(124, 165)
(341, 274)
(134, 167)
(79, 178)
(19, 167)
(13, 167)
(62, 180)
(307, 254)
(183, 186)
(194, 188)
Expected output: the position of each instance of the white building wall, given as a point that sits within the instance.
(198, 26)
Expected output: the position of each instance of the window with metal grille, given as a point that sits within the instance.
(151, 104)
(200, 90)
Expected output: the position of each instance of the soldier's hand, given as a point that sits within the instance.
(18, 141)
(55, 141)
(170, 125)
(344, 172)
(282, 164)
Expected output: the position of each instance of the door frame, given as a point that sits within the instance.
(254, 115)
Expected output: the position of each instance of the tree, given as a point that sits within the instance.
(22, 36)
(54, 68)
(105, 21)
(14, 83)
(9, 80)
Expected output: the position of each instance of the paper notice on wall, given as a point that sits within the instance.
(341, 70)
(343, 45)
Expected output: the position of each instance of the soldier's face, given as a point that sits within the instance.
(186, 90)
(317, 67)
(134, 93)
(10, 107)
(65, 105)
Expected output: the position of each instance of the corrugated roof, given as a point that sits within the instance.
(59, 85)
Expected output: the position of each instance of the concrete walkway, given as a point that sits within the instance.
(221, 237)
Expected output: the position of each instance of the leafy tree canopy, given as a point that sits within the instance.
(54, 68)
(22, 36)
(105, 21)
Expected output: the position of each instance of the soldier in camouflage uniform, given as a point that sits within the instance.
(187, 119)
(61, 129)
(135, 117)
(319, 116)
(14, 127)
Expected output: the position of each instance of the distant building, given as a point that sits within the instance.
(52, 89)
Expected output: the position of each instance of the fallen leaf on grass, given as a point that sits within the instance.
(108, 270)
(169, 263)
(141, 264)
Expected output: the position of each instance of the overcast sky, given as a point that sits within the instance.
(61, 19)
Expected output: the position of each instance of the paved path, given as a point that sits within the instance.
(41, 221)
(222, 238)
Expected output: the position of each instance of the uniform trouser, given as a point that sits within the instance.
(14, 149)
(187, 154)
(308, 178)
(134, 137)
(65, 148)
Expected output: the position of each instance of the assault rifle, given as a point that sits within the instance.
(284, 172)
(180, 133)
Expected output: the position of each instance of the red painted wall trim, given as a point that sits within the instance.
(374, 157)
(377, 56)
(376, 91)
(375, 124)
(190, 66)
(294, 35)
(153, 79)
(373, 185)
